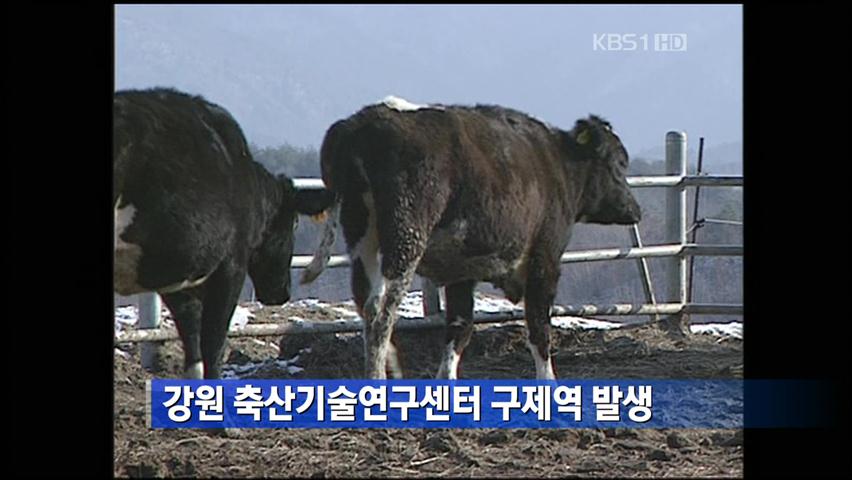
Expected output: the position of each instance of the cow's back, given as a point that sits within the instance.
(184, 182)
(499, 170)
(499, 146)
(173, 134)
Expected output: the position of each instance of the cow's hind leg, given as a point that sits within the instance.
(382, 271)
(358, 217)
(379, 352)
(386, 229)
(540, 293)
(376, 294)
(185, 307)
(459, 327)
(222, 290)
(408, 206)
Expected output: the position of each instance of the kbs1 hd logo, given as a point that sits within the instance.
(634, 42)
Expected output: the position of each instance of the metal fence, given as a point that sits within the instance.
(673, 310)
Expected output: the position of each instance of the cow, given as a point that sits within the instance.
(194, 213)
(463, 194)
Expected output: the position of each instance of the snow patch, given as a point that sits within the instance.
(578, 323)
(128, 316)
(308, 303)
(253, 306)
(411, 306)
(262, 343)
(125, 317)
(733, 329)
(233, 371)
(345, 312)
(488, 304)
(241, 318)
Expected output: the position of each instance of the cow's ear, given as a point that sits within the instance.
(313, 201)
(583, 134)
(583, 138)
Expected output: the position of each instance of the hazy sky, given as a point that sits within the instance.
(287, 72)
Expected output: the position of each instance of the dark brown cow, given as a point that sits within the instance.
(194, 213)
(459, 195)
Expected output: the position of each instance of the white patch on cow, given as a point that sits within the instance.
(123, 219)
(392, 361)
(367, 250)
(194, 371)
(176, 287)
(378, 283)
(403, 105)
(126, 255)
(543, 366)
(449, 368)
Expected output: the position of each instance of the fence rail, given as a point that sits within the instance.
(594, 255)
(648, 181)
(675, 306)
(685, 181)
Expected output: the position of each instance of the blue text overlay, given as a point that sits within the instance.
(255, 403)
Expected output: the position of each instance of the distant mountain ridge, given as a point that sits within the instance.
(721, 159)
(288, 72)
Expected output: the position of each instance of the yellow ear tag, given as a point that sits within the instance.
(584, 137)
(320, 217)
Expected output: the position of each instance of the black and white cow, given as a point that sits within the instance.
(459, 195)
(194, 212)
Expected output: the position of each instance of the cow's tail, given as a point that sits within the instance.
(341, 153)
(336, 174)
(323, 252)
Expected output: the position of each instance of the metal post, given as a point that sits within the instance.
(247, 293)
(431, 301)
(149, 317)
(693, 232)
(647, 286)
(676, 219)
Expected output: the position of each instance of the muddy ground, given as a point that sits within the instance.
(494, 352)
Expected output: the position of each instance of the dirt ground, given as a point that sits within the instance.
(494, 352)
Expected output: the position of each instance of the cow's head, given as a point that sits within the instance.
(606, 197)
(269, 266)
